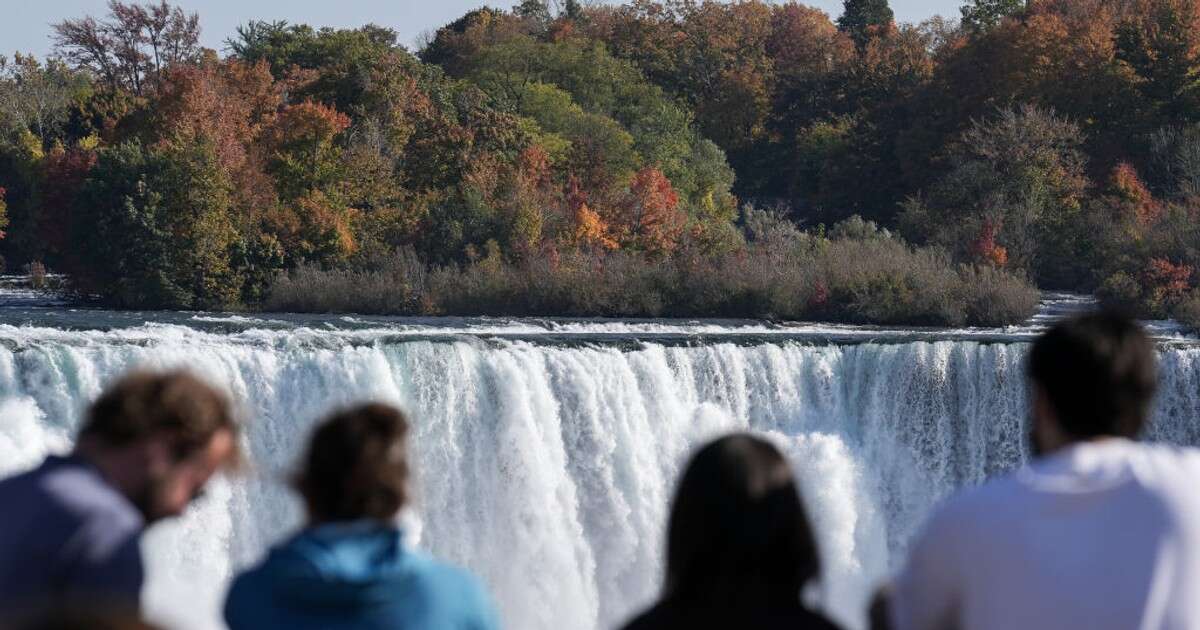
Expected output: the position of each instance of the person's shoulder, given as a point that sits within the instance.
(1169, 457)
(95, 505)
(447, 582)
(434, 571)
(68, 498)
(81, 492)
(245, 598)
(1166, 470)
(995, 495)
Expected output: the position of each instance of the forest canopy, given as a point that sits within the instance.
(1050, 143)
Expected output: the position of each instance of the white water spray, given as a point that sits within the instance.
(548, 469)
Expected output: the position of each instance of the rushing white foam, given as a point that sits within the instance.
(548, 469)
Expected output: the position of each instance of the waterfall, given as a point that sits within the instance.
(548, 469)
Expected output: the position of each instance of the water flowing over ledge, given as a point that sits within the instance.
(546, 462)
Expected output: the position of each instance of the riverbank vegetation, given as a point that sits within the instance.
(572, 159)
(856, 273)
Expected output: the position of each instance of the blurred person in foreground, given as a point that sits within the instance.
(740, 549)
(350, 567)
(1098, 531)
(71, 528)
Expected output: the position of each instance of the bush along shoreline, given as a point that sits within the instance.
(855, 274)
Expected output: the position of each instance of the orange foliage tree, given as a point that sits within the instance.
(1167, 282)
(1128, 187)
(650, 219)
(985, 249)
(589, 231)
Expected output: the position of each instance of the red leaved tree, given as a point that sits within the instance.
(1128, 187)
(650, 219)
(1167, 282)
(985, 249)
(64, 172)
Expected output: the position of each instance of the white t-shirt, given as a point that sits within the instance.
(1101, 535)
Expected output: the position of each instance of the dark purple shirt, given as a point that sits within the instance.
(67, 534)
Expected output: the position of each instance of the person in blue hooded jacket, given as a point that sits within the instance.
(350, 567)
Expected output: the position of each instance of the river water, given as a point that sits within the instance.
(547, 450)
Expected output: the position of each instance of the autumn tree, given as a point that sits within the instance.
(650, 219)
(312, 221)
(1160, 44)
(587, 229)
(1125, 184)
(58, 230)
(302, 149)
(133, 46)
(881, 138)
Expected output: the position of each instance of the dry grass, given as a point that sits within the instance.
(863, 280)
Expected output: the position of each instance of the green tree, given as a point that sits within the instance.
(979, 16)
(156, 229)
(537, 11)
(334, 65)
(36, 96)
(1018, 183)
(861, 18)
(602, 86)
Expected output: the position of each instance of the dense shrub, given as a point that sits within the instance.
(397, 285)
(877, 280)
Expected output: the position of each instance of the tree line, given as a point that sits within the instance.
(1051, 140)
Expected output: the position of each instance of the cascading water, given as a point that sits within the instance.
(546, 462)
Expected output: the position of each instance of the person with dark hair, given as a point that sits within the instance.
(71, 528)
(350, 567)
(740, 550)
(1098, 531)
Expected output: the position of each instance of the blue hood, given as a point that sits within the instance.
(341, 565)
(356, 576)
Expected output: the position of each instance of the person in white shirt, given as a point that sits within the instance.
(1098, 532)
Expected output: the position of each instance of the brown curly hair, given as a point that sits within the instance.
(357, 465)
(177, 405)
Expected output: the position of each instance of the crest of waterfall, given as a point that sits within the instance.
(548, 469)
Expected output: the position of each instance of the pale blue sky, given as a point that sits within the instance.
(25, 26)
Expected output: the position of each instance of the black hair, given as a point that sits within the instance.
(1098, 374)
(739, 534)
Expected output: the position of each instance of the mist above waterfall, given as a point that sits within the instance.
(548, 468)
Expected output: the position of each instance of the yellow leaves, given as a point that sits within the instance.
(31, 146)
(591, 230)
(89, 143)
(314, 227)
